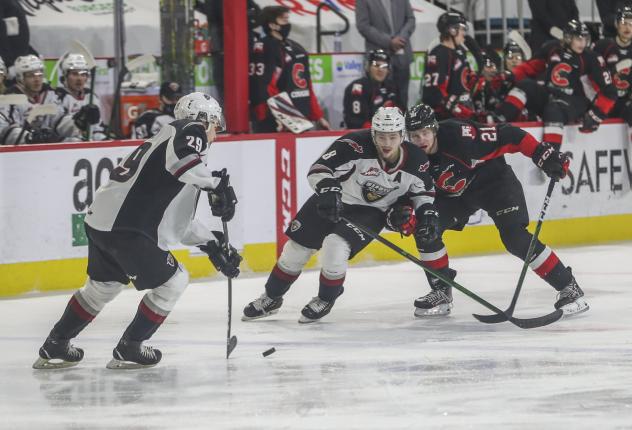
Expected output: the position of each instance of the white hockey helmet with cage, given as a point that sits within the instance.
(200, 107)
(28, 64)
(388, 120)
(74, 62)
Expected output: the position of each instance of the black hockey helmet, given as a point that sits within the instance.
(449, 23)
(375, 55)
(490, 57)
(575, 28)
(623, 13)
(512, 49)
(421, 116)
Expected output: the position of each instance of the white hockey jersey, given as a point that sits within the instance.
(155, 189)
(71, 105)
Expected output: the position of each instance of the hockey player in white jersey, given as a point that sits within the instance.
(51, 125)
(371, 176)
(146, 207)
(74, 96)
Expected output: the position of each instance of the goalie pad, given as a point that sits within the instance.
(287, 114)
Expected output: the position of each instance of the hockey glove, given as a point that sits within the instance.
(225, 260)
(590, 122)
(459, 108)
(86, 116)
(329, 203)
(401, 218)
(428, 227)
(43, 135)
(551, 161)
(222, 198)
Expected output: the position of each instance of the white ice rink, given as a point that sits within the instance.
(368, 365)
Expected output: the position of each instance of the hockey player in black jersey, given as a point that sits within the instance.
(151, 121)
(147, 207)
(365, 95)
(470, 173)
(449, 76)
(363, 175)
(617, 54)
(563, 99)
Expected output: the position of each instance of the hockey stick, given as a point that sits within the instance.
(525, 323)
(501, 317)
(231, 341)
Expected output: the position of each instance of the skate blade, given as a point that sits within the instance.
(267, 314)
(577, 307)
(437, 311)
(304, 320)
(115, 364)
(46, 363)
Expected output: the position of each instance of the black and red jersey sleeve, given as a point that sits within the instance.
(537, 64)
(601, 80)
(437, 77)
(265, 67)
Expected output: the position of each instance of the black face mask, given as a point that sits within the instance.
(168, 109)
(285, 30)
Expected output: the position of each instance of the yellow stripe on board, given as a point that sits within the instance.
(55, 275)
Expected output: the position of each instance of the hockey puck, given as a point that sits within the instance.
(268, 352)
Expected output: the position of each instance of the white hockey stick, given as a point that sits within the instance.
(41, 110)
(139, 62)
(517, 37)
(76, 47)
(287, 114)
(13, 99)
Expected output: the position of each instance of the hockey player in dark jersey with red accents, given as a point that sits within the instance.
(365, 95)
(146, 208)
(449, 76)
(372, 176)
(470, 173)
(563, 99)
(617, 54)
(279, 64)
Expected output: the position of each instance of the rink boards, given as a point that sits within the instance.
(46, 189)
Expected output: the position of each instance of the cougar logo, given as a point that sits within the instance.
(297, 75)
(372, 191)
(558, 74)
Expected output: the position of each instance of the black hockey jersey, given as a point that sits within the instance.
(149, 123)
(277, 66)
(362, 99)
(469, 151)
(366, 180)
(154, 190)
(620, 69)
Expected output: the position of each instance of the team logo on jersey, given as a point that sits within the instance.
(424, 167)
(354, 145)
(371, 171)
(432, 60)
(372, 191)
(170, 260)
(257, 47)
(446, 182)
(558, 72)
(468, 131)
(297, 75)
(295, 225)
(356, 89)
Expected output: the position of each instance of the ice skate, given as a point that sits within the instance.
(317, 308)
(133, 355)
(262, 307)
(438, 302)
(57, 354)
(570, 300)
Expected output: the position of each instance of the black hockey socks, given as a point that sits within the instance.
(147, 320)
(77, 315)
(279, 282)
(329, 289)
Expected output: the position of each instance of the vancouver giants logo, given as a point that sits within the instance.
(297, 75)
(447, 183)
(372, 191)
(558, 74)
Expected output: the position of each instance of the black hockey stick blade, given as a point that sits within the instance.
(542, 321)
(230, 345)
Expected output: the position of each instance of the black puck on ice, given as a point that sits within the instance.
(268, 352)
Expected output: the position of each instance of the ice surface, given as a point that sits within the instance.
(368, 365)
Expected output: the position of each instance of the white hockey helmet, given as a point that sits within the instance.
(74, 62)
(27, 64)
(389, 120)
(3, 68)
(200, 107)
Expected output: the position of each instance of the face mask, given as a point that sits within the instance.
(285, 30)
(168, 109)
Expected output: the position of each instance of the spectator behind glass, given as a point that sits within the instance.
(151, 121)
(14, 32)
(607, 13)
(388, 25)
(548, 18)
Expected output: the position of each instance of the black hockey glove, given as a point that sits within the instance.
(86, 116)
(329, 203)
(43, 135)
(428, 228)
(590, 122)
(222, 198)
(401, 218)
(225, 260)
(551, 161)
